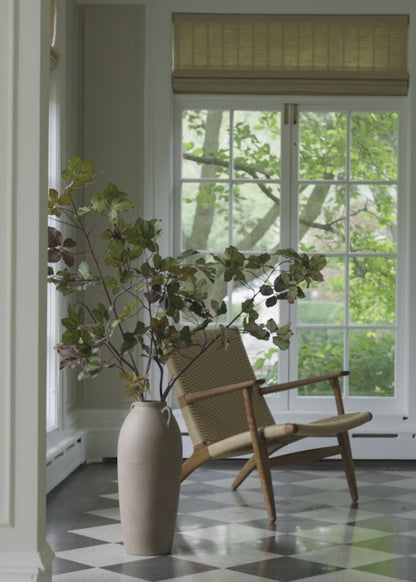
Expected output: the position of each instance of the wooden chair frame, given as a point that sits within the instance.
(262, 450)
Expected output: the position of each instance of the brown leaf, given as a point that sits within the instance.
(68, 258)
(54, 255)
(54, 237)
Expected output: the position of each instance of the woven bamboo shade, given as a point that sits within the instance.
(285, 54)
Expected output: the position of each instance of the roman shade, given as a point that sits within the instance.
(290, 54)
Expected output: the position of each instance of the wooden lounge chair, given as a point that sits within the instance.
(227, 415)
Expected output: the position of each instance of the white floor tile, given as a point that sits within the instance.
(98, 556)
(229, 534)
(95, 575)
(234, 514)
(341, 534)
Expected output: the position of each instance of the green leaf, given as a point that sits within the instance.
(84, 270)
(71, 336)
(129, 343)
(69, 323)
(271, 325)
(65, 199)
(127, 311)
(76, 313)
(101, 313)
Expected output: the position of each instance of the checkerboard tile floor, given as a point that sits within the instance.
(224, 536)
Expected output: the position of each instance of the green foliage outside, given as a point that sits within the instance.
(347, 184)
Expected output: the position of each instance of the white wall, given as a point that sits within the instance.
(101, 87)
(24, 64)
(113, 89)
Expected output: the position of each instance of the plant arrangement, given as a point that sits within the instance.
(148, 305)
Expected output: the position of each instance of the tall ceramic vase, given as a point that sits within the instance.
(149, 459)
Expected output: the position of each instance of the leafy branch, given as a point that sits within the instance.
(152, 305)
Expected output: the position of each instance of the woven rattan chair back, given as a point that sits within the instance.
(222, 363)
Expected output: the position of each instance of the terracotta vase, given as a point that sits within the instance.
(149, 459)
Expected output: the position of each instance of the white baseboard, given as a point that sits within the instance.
(26, 566)
(64, 458)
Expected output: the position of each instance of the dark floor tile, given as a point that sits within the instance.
(285, 491)
(388, 505)
(382, 491)
(60, 540)
(60, 566)
(285, 569)
(160, 568)
(398, 569)
(378, 477)
(203, 488)
(285, 476)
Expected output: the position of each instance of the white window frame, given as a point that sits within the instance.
(290, 402)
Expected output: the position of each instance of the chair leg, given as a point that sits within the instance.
(249, 466)
(344, 442)
(263, 467)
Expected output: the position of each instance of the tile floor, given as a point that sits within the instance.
(224, 536)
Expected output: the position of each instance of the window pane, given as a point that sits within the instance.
(322, 211)
(256, 143)
(321, 351)
(373, 218)
(205, 144)
(374, 143)
(371, 362)
(264, 357)
(322, 145)
(256, 220)
(372, 290)
(325, 302)
(204, 215)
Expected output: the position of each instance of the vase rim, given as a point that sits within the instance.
(156, 403)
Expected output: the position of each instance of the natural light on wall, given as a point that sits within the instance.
(52, 373)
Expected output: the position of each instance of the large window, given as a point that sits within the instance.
(319, 177)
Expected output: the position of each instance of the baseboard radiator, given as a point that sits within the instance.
(63, 459)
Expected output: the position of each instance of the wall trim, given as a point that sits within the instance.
(7, 186)
(26, 566)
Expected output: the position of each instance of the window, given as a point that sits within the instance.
(321, 178)
(53, 300)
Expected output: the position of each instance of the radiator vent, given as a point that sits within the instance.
(378, 435)
(63, 459)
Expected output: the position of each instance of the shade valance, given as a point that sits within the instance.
(281, 54)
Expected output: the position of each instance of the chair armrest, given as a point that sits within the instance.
(196, 396)
(302, 382)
